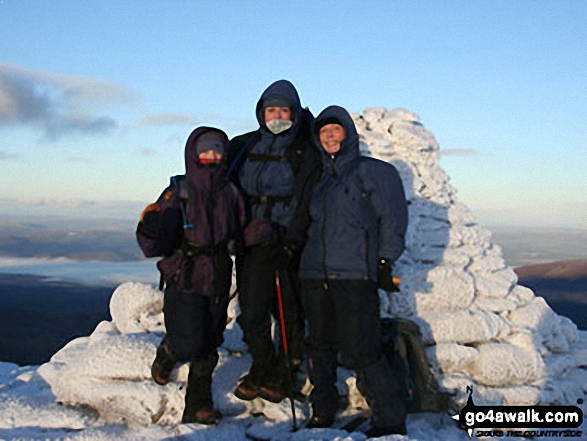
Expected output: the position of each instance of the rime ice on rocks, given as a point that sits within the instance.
(480, 327)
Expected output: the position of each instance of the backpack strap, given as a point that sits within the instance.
(180, 184)
(240, 147)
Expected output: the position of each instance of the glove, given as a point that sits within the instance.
(257, 231)
(282, 255)
(384, 279)
(150, 223)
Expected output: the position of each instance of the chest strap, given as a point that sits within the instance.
(269, 202)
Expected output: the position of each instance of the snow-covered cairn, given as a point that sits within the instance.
(481, 328)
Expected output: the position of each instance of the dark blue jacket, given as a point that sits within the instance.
(357, 211)
(263, 161)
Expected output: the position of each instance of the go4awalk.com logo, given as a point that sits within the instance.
(520, 420)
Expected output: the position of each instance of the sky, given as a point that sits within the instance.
(97, 98)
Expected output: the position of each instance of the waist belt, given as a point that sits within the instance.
(192, 250)
(269, 202)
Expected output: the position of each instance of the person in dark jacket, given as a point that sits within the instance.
(356, 222)
(192, 225)
(267, 164)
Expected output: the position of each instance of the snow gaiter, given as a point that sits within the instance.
(199, 388)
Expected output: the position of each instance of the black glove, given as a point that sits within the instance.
(282, 255)
(384, 278)
(150, 225)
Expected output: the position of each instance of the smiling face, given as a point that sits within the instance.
(272, 113)
(331, 135)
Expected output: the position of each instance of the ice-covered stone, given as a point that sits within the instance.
(536, 315)
(451, 357)
(503, 364)
(464, 327)
(136, 307)
(444, 289)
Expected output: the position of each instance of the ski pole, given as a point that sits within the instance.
(285, 350)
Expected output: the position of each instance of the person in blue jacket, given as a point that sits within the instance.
(355, 222)
(267, 165)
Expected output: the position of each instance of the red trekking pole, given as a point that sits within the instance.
(286, 351)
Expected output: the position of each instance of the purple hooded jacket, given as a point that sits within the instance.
(194, 243)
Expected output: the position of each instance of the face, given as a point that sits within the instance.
(272, 113)
(210, 157)
(331, 135)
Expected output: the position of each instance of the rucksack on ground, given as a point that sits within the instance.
(405, 351)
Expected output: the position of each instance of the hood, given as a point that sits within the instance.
(202, 139)
(284, 90)
(338, 115)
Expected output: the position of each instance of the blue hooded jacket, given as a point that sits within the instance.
(259, 177)
(357, 212)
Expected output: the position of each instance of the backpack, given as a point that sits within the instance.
(180, 183)
(404, 349)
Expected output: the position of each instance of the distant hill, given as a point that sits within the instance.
(565, 270)
(563, 284)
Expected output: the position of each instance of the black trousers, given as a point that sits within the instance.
(194, 323)
(343, 316)
(258, 304)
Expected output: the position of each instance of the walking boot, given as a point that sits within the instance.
(198, 397)
(206, 415)
(320, 420)
(163, 364)
(247, 389)
(249, 385)
(273, 392)
(376, 432)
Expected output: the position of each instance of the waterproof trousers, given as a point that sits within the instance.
(258, 304)
(195, 324)
(343, 316)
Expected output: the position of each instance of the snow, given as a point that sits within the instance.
(481, 328)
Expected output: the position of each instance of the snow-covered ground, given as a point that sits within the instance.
(481, 328)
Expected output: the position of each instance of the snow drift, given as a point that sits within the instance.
(481, 328)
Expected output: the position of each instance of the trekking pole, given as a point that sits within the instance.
(286, 351)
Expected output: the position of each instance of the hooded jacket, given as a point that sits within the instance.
(267, 158)
(357, 210)
(200, 213)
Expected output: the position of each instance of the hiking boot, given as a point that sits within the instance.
(376, 432)
(320, 420)
(272, 392)
(163, 364)
(206, 415)
(247, 389)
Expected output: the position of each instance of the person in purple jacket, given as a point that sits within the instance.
(192, 226)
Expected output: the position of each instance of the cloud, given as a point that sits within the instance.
(459, 152)
(147, 152)
(164, 119)
(60, 105)
(7, 156)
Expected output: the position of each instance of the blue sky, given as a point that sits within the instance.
(98, 97)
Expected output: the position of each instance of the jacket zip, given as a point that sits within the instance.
(325, 210)
(211, 217)
(264, 166)
(367, 249)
